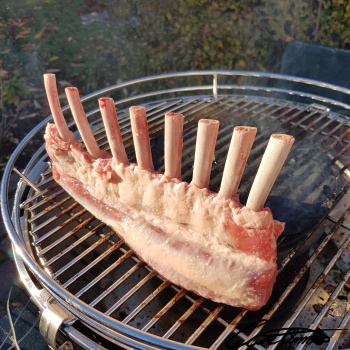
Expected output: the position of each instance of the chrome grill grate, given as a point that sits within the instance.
(105, 286)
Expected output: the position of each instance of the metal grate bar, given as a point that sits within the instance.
(262, 109)
(311, 124)
(204, 325)
(46, 174)
(190, 121)
(189, 140)
(96, 261)
(50, 209)
(253, 104)
(146, 301)
(131, 291)
(59, 240)
(51, 219)
(203, 308)
(259, 109)
(159, 112)
(333, 131)
(320, 129)
(38, 195)
(47, 177)
(78, 257)
(154, 114)
(26, 180)
(341, 153)
(300, 121)
(127, 135)
(106, 272)
(296, 116)
(125, 123)
(304, 120)
(308, 235)
(312, 258)
(211, 110)
(184, 317)
(44, 202)
(162, 312)
(344, 168)
(327, 306)
(38, 240)
(274, 110)
(340, 138)
(258, 149)
(314, 287)
(298, 110)
(231, 328)
(337, 334)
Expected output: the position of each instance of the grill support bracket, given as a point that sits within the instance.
(51, 320)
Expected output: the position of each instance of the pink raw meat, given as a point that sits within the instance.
(202, 241)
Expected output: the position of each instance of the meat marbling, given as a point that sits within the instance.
(204, 242)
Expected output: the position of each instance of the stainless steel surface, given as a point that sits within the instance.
(84, 265)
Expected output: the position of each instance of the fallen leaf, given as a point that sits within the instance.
(39, 34)
(23, 34)
(53, 58)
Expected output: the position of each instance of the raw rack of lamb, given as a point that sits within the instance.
(203, 241)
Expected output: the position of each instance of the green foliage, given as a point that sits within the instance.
(335, 23)
(139, 38)
(12, 90)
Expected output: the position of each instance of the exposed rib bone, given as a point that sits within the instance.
(141, 137)
(173, 144)
(272, 161)
(240, 146)
(82, 121)
(110, 121)
(54, 103)
(204, 155)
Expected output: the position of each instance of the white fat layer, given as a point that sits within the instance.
(176, 252)
(186, 246)
(177, 201)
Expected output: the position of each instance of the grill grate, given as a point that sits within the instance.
(92, 264)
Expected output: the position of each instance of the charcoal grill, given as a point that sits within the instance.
(94, 293)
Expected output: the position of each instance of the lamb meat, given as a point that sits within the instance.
(203, 241)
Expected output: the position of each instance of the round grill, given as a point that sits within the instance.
(72, 262)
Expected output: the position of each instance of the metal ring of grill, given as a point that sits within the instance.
(92, 280)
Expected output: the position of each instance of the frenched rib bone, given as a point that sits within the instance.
(82, 122)
(240, 146)
(271, 164)
(141, 138)
(207, 134)
(203, 241)
(173, 129)
(54, 103)
(110, 121)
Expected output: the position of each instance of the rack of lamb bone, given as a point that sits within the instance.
(205, 242)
